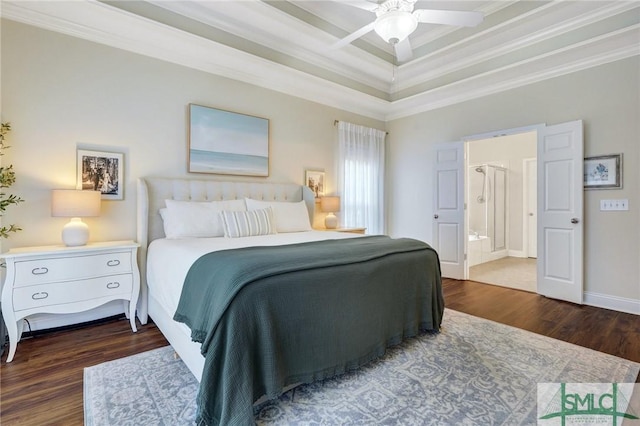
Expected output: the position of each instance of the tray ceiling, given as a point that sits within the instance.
(287, 45)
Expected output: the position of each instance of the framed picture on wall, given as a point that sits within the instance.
(603, 172)
(315, 181)
(101, 171)
(225, 142)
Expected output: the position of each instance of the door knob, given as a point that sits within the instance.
(574, 220)
(530, 214)
(435, 216)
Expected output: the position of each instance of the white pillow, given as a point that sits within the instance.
(248, 223)
(289, 216)
(189, 219)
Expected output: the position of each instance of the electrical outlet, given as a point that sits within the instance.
(614, 205)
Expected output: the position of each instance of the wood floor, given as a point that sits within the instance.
(43, 385)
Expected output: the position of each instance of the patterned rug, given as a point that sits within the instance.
(473, 372)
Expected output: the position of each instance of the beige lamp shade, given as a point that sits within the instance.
(76, 204)
(330, 205)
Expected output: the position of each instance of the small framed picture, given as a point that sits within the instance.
(315, 181)
(101, 171)
(603, 172)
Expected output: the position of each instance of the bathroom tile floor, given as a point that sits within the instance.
(513, 272)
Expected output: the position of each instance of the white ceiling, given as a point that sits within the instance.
(287, 45)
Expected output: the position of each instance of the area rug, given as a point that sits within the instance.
(474, 371)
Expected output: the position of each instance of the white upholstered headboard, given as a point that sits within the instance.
(152, 191)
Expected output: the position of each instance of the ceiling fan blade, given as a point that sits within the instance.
(353, 36)
(449, 17)
(362, 4)
(403, 50)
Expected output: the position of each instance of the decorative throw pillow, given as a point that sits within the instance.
(194, 219)
(248, 223)
(289, 216)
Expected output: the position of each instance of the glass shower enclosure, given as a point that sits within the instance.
(487, 212)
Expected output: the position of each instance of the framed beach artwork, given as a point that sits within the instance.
(603, 172)
(229, 143)
(101, 171)
(315, 181)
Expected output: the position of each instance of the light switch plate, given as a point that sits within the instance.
(614, 205)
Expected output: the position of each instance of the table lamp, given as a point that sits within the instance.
(330, 205)
(76, 204)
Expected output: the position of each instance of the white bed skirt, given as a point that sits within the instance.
(178, 336)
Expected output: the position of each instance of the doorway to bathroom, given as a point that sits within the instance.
(501, 201)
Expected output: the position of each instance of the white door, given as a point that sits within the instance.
(532, 208)
(560, 204)
(448, 208)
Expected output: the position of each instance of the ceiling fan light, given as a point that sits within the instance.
(395, 26)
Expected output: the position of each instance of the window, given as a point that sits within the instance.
(361, 176)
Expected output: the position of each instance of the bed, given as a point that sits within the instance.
(280, 326)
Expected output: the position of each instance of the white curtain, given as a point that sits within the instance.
(361, 177)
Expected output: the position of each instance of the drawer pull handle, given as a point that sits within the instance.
(40, 295)
(114, 262)
(114, 284)
(39, 271)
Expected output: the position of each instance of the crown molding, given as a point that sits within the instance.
(101, 23)
(113, 27)
(601, 50)
(289, 36)
(524, 31)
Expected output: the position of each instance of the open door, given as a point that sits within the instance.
(448, 205)
(560, 211)
(531, 212)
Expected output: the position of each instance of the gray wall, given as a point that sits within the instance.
(606, 98)
(61, 93)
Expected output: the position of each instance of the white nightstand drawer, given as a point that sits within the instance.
(72, 291)
(68, 280)
(40, 271)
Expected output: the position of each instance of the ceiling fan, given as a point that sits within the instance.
(396, 19)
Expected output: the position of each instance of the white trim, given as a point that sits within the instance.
(620, 304)
(525, 30)
(517, 253)
(601, 50)
(102, 23)
(496, 255)
(525, 206)
(288, 35)
(467, 265)
(504, 132)
(46, 321)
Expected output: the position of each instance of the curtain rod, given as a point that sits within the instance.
(335, 123)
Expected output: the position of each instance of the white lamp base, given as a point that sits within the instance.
(331, 221)
(75, 233)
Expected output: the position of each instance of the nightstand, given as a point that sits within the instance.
(350, 230)
(64, 280)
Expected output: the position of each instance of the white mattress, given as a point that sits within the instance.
(168, 261)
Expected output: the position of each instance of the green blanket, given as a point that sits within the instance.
(268, 317)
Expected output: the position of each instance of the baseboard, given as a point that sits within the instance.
(45, 321)
(516, 253)
(621, 304)
(489, 257)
